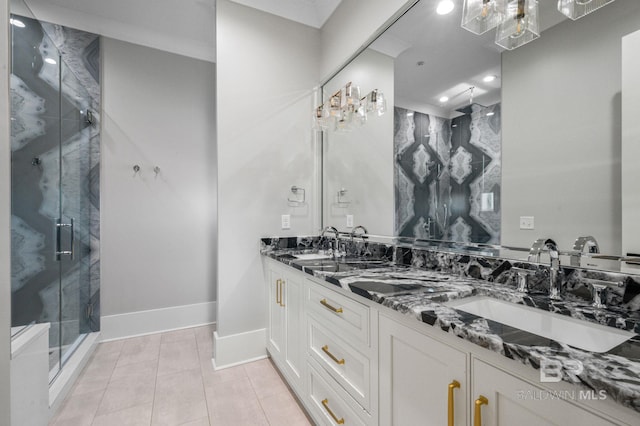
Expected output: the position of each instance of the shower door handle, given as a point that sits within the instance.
(59, 251)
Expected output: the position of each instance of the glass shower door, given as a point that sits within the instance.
(73, 226)
(54, 192)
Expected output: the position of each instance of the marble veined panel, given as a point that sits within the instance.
(454, 166)
(27, 259)
(26, 110)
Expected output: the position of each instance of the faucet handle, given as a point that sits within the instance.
(599, 289)
(523, 275)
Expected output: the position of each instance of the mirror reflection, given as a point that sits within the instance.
(487, 145)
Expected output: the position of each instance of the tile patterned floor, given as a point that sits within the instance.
(168, 379)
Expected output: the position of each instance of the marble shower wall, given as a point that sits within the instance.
(447, 175)
(55, 142)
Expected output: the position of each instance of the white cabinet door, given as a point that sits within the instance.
(513, 401)
(294, 326)
(276, 314)
(415, 374)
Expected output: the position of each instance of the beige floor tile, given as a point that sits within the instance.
(283, 409)
(89, 383)
(101, 365)
(176, 414)
(178, 335)
(200, 422)
(219, 394)
(211, 376)
(178, 356)
(134, 416)
(126, 393)
(138, 349)
(142, 370)
(180, 387)
(179, 398)
(204, 338)
(239, 411)
(265, 379)
(80, 409)
(110, 347)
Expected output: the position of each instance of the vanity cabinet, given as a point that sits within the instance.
(285, 333)
(342, 357)
(513, 401)
(352, 361)
(422, 381)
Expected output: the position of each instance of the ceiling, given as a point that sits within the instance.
(309, 12)
(453, 58)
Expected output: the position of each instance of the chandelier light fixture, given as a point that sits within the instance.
(480, 16)
(575, 9)
(519, 24)
(516, 21)
(345, 109)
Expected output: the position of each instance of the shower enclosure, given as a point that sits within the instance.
(55, 143)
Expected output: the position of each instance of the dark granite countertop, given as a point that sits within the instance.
(421, 294)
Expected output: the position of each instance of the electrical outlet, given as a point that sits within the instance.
(526, 222)
(286, 221)
(349, 221)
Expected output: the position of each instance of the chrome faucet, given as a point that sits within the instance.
(555, 285)
(361, 228)
(336, 234)
(589, 243)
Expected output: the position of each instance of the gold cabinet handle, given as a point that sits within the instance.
(282, 283)
(453, 385)
(327, 305)
(278, 281)
(477, 416)
(325, 349)
(325, 403)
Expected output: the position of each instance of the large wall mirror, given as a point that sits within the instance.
(481, 144)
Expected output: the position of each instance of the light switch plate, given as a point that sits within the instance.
(286, 221)
(349, 221)
(526, 222)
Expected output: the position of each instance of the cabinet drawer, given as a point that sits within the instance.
(329, 402)
(345, 364)
(350, 318)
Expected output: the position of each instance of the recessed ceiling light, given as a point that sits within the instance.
(489, 114)
(444, 99)
(489, 78)
(445, 7)
(17, 23)
(50, 61)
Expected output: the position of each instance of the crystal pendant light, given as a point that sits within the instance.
(480, 16)
(519, 25)
(575, 9)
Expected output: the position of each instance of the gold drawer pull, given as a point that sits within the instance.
(278, 281)
(325, 348)
(327, 305)
(325, 403)
(477, 417)
(453, 385)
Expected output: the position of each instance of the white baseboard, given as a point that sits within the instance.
(229, 351)
(139, 323)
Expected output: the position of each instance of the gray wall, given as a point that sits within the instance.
(157, 247)
(267, 67)
(561, 130)
(5, 219)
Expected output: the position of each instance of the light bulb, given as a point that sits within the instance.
(445, 7)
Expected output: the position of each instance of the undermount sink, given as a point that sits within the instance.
(577, 333)
(312, 256)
